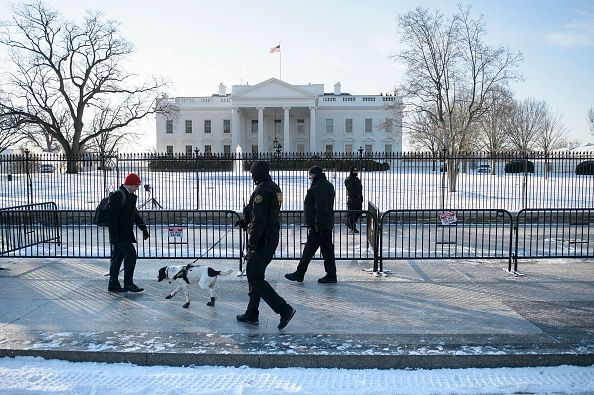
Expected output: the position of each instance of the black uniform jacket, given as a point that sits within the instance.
(354, 190)
(121, 218)
(319, 205)
(262, 214)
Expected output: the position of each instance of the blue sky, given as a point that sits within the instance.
(198, 44)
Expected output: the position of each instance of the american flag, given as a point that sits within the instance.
(275, 49)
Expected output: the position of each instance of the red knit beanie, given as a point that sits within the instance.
(132, 179)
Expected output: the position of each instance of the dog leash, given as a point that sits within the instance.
(201, 255)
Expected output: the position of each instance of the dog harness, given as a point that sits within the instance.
(183, 273)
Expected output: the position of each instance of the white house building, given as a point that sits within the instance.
(275, 115)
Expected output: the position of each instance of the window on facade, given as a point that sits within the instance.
(329, 125)
(277, 126)
(388, 149)
(348, 125)
(188, 150)
(368, 148)
(207, 128)
(254, 148)
(169, 126)
(226, 126)
(254, 126)
(300, 148)
(348, 148)
(226, 149)
(329, 148)
(188, 126)
(300, 126)
(169, 149)
(388, 125)
(368, 124)
(207, 149)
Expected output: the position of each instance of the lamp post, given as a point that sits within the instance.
(196, 151)
(278, 148)
(360, 158)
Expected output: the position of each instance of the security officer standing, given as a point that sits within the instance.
(319, 218)
(354, 198)
(261, 219)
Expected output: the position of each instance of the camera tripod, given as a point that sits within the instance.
(154, 203)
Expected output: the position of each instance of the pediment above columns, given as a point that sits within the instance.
(273, 92)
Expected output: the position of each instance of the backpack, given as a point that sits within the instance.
(100, 218)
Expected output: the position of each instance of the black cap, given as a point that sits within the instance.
(353, 169)
(259, 170)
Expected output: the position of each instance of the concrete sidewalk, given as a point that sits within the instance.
(427, 314)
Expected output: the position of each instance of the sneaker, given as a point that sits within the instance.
(248, 319)
(327, 279)
(294, 277)
(133, 288)
(286, 317)
(116, 288)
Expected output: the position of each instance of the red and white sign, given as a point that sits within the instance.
(176, 231)
(448, 218)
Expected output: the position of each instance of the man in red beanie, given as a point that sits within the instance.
(121, 217)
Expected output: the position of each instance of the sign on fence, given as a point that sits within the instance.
(448, 218)
(176, 234)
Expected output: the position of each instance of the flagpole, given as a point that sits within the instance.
(280, 64)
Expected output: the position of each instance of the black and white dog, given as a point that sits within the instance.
(184, 275)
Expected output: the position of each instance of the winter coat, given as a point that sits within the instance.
(319, 204)
(354, 191)
(262, 214)
(121, 218)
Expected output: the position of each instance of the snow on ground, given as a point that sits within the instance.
(33, 375)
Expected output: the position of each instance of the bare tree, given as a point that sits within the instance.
(65, 75)
(551, 137)
(491, 136)
(526, 124)
(451, 73)
(591, 119)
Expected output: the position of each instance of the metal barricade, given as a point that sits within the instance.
(554, 233)
(445, 234)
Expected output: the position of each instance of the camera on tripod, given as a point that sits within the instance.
(153, 202)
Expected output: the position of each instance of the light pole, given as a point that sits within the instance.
(360, 158)
(278, 148)
(196, 151)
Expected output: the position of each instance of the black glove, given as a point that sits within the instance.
(250, 254)
(241, 223)
(145, 234)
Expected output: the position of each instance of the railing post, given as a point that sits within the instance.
(29, 179)
(196, 151)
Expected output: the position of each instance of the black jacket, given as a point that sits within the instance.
(354, 190)
(121, 218)
(319, 204)
(262, 214)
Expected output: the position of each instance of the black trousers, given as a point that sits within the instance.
(323, 241)
(122, 252)
(259, 288)
(352, 218)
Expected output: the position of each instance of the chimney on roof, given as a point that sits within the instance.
(337, 89)
(222, 89)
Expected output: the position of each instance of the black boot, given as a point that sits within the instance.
(248, 318)
(327, 279)
(286, 317)
(294, 277)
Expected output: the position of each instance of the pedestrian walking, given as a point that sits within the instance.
(261, 218)
(354, 198)
(122, 215)
(319, 218)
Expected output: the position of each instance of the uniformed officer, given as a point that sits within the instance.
(261, 217)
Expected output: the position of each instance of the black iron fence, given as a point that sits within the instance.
(507, 181)
(40, 230)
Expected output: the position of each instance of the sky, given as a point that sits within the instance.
(198, 44)
(36, 375)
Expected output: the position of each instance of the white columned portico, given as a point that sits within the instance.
(236, 131)
(260, 129)
(286, 137)
(312, 129)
